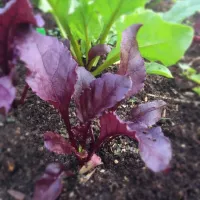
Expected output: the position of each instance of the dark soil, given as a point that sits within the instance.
(123, 174)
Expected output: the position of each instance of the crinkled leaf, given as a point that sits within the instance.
(167, 44)
(52, 68)
(155, 149)
(148, 113)
(112, 126)
(56, 143)
(98, 50)
(104, 93)
(158, 69)
(7, 94)
(49, 186)
(181, 10)
(83, 82)
(14, 13)
(131, 62)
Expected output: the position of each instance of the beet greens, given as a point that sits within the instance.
(56, 77)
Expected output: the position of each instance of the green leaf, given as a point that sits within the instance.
(197, 90)
(158, 69)
(44, 6)
(110, 10)
(61, 11)
(181, 10)
(195, 78)
(158, 40)
(85, 24)
(187, 70)
(120, 7)
(41, 31)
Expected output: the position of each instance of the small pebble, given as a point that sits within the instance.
(189, 94)
(40, 148)
(27, 134)
(11, 165)
(116, 161)
(102, 170)
(18, 131)
(126, 179)
(22, 138)
(183, 145)
(71, 194)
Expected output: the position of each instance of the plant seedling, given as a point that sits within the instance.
(55, 75)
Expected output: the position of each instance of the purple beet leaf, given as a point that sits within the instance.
(56, 143)
(148, 113)
(81, 133)
(103, 93)
(98, 50)
(52, 69)
(14, 13)
(7, 94)
(112, 126)
(83, 82)
(131, 62)
(49, 186)
(155, 149)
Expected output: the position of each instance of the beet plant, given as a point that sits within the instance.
(59, 73)
(56, 78)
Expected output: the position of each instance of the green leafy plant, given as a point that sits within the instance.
(181, 10)
(191, 74)
(92, 25)
(197, 90)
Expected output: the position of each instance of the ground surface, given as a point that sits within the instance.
(123, 175)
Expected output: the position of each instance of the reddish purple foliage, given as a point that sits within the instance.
(7, 94)
(56, 143)
(15, 12)
(103, 93)
(155, 149)
(131, 62)
(55, 77)
(49, 186)
(52, 69)
(114, 128)
(83, 82)
(81, 133)
(148, 113)
(98, 50)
